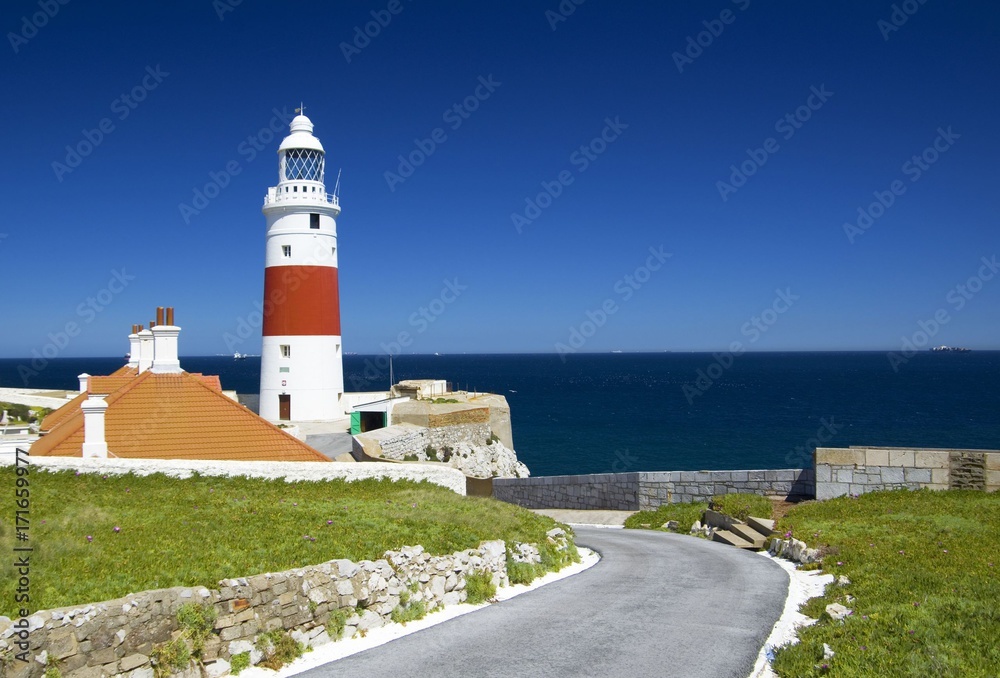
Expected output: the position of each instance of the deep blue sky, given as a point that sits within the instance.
(654, 185)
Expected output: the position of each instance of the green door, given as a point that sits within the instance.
(355, 423)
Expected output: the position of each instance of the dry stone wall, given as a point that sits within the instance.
(119, 637)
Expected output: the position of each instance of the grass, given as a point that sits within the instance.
(684, 514)
(923, 568)
(173, 532)
(742, 505)
(479, 588)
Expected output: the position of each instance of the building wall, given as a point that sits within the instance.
(642, 491)
(856, 470)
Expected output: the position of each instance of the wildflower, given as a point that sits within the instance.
(902, 553)
(946, 550)
(329, 522)
(911, 632)
(413, 505)
(840, 562)
(89, 538)
(305, 536)
(295, 504)
(117, 529)
(863, 648)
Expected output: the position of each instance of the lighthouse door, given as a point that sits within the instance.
(284, 407)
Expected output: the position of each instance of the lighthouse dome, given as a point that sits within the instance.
(301, 135)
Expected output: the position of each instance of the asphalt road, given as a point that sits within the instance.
(656, 604)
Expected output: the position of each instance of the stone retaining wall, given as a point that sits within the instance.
(118, 637)
(647, 490)
(857, 470)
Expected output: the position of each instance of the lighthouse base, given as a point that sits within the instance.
(302, 378)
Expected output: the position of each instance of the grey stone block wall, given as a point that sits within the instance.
(641, 491)
(857, 470)
(614, 491)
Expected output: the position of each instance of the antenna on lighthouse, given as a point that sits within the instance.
(336, 186)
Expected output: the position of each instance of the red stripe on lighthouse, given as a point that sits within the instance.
(301, 300)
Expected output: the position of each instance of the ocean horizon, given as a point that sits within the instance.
(670, 410)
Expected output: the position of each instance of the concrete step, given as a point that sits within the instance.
(727, 537)
(748, 534)
(719, 520)
(761, 525)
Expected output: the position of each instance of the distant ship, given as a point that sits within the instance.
(239, 356)
(950, 349)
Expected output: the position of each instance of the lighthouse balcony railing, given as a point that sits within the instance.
(277, 197)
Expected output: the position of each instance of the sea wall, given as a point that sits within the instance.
(119, 637)
(646, 490)
(857, 470)
(291, 471)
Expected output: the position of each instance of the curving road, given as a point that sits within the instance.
(656, 604)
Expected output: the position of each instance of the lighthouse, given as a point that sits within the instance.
(301, 367)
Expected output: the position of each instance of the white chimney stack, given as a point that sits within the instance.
(94, 444)
(165, 359)
(133, 347)
(145, 350)
(84, 380)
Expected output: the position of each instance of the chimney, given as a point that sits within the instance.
(94, 444)
(145, 349)
(84, 380)
(133, 347)
(165, 359)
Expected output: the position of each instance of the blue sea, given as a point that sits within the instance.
(597, 413)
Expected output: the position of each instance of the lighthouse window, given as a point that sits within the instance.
(313, 221)
(286, 351)
(286, 250)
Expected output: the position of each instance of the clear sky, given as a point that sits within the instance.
(701, 169)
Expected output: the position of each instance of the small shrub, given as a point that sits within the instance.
(431, 453)
(479, 587)
(170, 657)
(684, 514)
(51, 667)
(410, 457)
(523, 573)
(239, 662)
(742, 505)
(278, 648)
(409, 612)
(337, 622)
(197, 621)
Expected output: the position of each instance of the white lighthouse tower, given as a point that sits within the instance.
(301, 367)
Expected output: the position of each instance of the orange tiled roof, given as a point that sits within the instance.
(175, 416)
(54, 419)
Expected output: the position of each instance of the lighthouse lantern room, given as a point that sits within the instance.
(301, 370)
